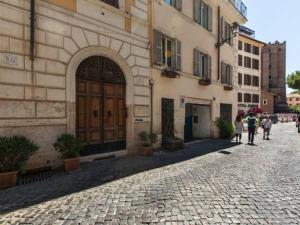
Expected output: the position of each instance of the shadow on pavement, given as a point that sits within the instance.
(100, 172)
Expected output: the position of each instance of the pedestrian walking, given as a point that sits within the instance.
(239, 128)
(298, 124)
(266, 126)
(251, 120)
(257, 125)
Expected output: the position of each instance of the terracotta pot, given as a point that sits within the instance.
(146, 150)
(72, 164)
(8, 179)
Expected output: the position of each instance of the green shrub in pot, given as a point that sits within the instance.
(69, 147)
(14, 152)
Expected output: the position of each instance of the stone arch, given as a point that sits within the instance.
(73, 64)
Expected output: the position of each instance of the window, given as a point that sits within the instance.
(255, 50)
(167, 45)
(255, 64)
(226, 32)
(114, 3)
(240, 97)
(265, 101)
(166, 51)
(247, 47)
(247, 97)
(255, 98)
(175, 3)
(226, 76)
(240, 79)
(240, 60)
(202, 64)
(203, 14)
(240, 45)
(247, 80)
(247, 62)
(255, 81)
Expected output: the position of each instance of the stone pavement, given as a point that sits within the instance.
(244, 185)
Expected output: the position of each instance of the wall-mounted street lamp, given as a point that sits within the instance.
(234, 29)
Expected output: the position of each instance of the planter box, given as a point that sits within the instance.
(205, 82)
(169, 73)
(228, 88)
(146, 150)
(8, 179)
(72, 164)
(173, 144)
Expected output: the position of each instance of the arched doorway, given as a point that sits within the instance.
(100, 106)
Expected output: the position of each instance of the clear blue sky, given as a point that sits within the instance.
(277, 20)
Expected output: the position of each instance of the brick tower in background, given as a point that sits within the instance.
(274, 73)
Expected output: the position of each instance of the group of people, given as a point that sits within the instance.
(253, 125)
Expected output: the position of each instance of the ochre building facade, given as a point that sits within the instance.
(90, 75)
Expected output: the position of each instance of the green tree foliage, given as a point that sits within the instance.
(295, 109)
(293, 80)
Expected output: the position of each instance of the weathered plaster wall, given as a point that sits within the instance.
(35, 100)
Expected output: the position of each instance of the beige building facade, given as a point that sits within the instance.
(192, 87)
(90, 74)
(293, 100)
(249, 72)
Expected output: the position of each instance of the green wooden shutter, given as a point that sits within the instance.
(196, 62)
(209, 18)
(223, 30)
(178, 55)
(178, 4)
(157, 48)
(231, 75)
(197, 11)
(223, 73)
(209, 67)
(205, 75)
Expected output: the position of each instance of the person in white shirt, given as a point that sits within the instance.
(239, 128)
(266, 126)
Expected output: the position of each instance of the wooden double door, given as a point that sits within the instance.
(101, 116)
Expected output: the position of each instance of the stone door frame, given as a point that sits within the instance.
(73, 64)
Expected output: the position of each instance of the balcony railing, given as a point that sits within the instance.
(240, 6)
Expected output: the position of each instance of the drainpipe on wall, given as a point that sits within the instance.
(32, 29)
(32, 43)
(151, 84)
(219, 40)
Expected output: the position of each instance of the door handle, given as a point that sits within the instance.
(95, 113)
(109, 113)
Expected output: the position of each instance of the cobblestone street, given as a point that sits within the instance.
(242, 184)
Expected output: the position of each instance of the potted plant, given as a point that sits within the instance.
(226, 128)
(205, 81)
(148, 139)
(69, 147)
(14, 152)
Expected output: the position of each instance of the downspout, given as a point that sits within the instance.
(32, 29)
(150, 37)
(219, 41)
(32, 43)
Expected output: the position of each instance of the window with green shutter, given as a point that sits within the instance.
(175, 3)
(203, 14)
(226, 73)
(202, 64)
(166, 51)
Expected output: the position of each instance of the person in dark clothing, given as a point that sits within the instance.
(298, 124)
(251, 120)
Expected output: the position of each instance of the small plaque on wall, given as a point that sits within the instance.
(8, 59)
